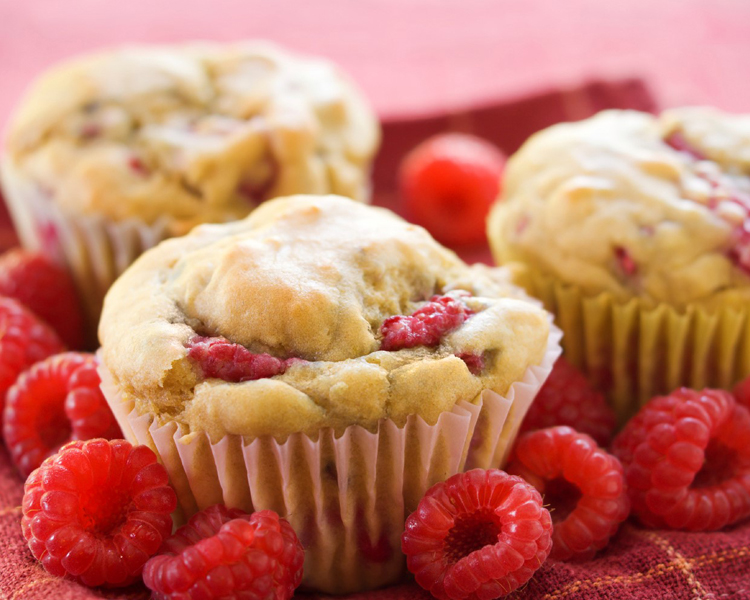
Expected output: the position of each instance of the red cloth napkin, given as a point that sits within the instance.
(639, 564)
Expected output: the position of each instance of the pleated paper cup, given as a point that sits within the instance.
(635, 350)
(96, 250)
(346, 496)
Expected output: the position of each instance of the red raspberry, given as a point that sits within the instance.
(584, 485)
(448, 184)
(567, 398)
(24, 340)
(224, 553)
(46, 288)
(476, 536)
(741, 392)
(625, 262)
(426, 326)
(97, 510)
(475, 362)
(687, 460)
(679, 142)
(221, 359)
(54, 402)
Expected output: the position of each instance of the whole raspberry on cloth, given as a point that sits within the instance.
(583, 486)
(567, 398)
(97, 511)
(225, 553)
(448, 184)
(478, 535)
(55, 401)
(687, 460)
(24, 340)
(46, 289)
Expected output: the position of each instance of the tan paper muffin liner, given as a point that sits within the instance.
(95, 249)
(347, 497)
(636, 350)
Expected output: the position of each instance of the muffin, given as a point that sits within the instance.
(326, 360)
(633, 229)
(110, 153)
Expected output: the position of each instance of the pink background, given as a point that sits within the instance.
(422, 56)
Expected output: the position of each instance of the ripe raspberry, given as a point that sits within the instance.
(687, 460)
(679, 142)
(224, 553)
(46, 289)
(475, 362)
(55, 401)
(426, 326)
(448, 184)
(741, 392)
(97, 510)
(476, 536)
(221, 359)
(24, 340)
(584, 485)
(567, 398)
(625, 262)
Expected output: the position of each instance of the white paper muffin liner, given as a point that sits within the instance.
(346, 496)
(96, 250)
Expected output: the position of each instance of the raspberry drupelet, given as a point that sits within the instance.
(96, 511)
(583, 485)
(55, 401)
(225, 553)
(687, 460)
(25, 340)
(476, 536)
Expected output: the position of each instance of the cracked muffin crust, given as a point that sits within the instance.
(191, 134)
(634, 205)
(275, 324)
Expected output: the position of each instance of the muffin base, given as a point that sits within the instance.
(96, 250)
(635, 350)
(346, 496)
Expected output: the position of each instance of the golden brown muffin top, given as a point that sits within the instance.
(311, 278)
(192, 133)
(655, 207)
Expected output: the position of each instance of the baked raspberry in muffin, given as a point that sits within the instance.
(323, 359)
(635, 230)
(111, 152)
